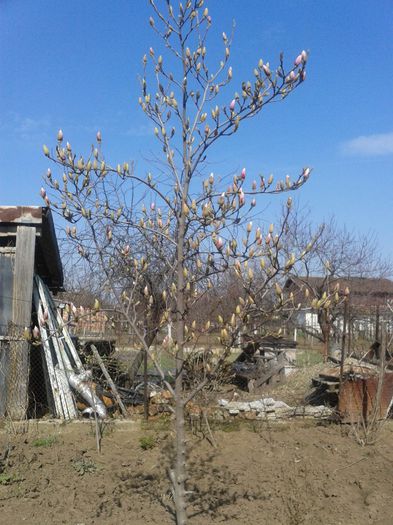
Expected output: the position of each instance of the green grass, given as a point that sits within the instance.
(9, 479)
(309, 357)
(161, 424)
(147, 442)
(165, 360)
(44, 441)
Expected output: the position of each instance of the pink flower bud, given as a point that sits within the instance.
(304, 55)
(290, 78)
(306, 173)
(232, 105)
(254, 185)
(43, 193)
(298, 60)
(60, 135)
(303, 75)
(268, 238)
(36, 332)
(253, 203)
(153, 206)
(243, 174)
(266, 69)
(219, 243)
(242, 198)
(47, 201)
(49, 173)
(98, 136)
(109, 233)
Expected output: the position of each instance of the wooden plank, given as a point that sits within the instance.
(52, 387)
(67, 339)
(63, 366)
(7, 262)
(62, 331)
(18, 374)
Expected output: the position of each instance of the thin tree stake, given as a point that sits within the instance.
(109, 379)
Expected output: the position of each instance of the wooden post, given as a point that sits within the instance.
(349, 326)
(18, 377)
(376, 409)
(109, 379)
(343, 343)
(377, 323)
(145, 388)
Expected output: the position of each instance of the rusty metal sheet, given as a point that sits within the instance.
(351, 367)
(21, 214)
(357, 398)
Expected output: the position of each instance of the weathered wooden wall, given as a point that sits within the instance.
(7, 261)
(18, 367)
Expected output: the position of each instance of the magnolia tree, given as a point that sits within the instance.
(161, 239)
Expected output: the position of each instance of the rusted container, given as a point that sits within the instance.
(357, 397)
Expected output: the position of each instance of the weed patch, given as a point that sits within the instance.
(147, 442)
(84, 466)
(45, 441)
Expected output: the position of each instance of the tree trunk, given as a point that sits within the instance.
(323, 321)
(180, 465)
(135, 365)
(180, 444)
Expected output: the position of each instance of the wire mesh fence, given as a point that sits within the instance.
(14, 372)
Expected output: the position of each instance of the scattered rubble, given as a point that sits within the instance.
(270, 409)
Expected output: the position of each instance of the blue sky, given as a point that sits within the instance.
(74, 65)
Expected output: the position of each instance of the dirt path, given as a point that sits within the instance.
(291, 473)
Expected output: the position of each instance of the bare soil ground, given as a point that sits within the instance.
(293, 472)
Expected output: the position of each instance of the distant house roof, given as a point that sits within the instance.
(47, 258)
(364, 291)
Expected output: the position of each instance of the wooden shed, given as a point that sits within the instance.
(28, 247)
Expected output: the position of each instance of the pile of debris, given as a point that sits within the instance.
(63, 370)
(268, 408)
(264, 361)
